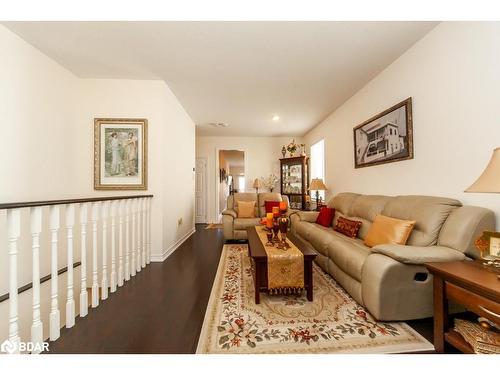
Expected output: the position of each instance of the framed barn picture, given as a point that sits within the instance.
(120, 154)
(385, 138)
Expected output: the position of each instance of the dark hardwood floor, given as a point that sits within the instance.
(161, 309)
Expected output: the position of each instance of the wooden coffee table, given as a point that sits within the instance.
(258, 255)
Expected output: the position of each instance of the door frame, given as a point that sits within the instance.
(205, 190)
(217, 215)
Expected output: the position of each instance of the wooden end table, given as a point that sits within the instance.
(469, 284)
(258, 255)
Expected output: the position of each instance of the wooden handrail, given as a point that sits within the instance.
(6, 206)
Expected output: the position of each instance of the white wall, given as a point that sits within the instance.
(453, 76)
(47, 153)
(262, 156)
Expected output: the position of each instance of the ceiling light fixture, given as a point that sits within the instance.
(219, 124)
(276, 118)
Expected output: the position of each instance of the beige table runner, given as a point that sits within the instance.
(285, 268)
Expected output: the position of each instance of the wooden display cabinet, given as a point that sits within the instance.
(294, 177)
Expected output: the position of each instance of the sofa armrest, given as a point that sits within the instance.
(230, 212)
(309, 216)
(418, 254)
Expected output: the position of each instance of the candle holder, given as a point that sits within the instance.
(276, 228)
(269, 235)
(283, 222)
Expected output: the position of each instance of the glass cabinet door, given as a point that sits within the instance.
(292, 178)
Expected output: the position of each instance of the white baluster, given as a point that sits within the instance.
(149, 230)
(36, 326)
(84, 297)
(121, 210)
(133, 248)
(138, 231)
(95, 282)
(70, 302)
(14, 231)
(127, 240)
(114, 205)
(55, 315)
(144, 238)
(104, 281)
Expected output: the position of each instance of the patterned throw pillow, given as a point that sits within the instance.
(348, 227)
(269, 206)
(325, 216)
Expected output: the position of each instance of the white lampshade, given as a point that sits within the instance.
(489, 181)
(257, 184)
(317, 184)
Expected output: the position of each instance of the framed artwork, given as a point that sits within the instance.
(120, 154)
(488, 245)
(385, 138)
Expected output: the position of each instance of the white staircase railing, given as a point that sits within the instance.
(119, 231)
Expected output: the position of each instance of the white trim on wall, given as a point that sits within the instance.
(165, 254)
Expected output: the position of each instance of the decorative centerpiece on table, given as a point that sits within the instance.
(270, 182)
(277, 227)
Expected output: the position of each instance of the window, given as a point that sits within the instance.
(241, 184)
(318, 165)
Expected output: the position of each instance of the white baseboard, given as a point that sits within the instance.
(165, 254)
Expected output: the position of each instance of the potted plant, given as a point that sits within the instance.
(292, 148)
(270, 182)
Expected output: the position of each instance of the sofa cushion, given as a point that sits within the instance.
(347, 227)
(387, 230)
(246, 209)
(244, 223)
(232, 200)
(349, 254)
(325, 217)
(428, 212)
(342, 202)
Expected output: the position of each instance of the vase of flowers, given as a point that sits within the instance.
(292, 148)
(270, 182)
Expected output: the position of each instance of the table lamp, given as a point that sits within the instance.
(489, 182)
(256, 185)
(318, 185)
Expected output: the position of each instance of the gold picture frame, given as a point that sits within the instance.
(488, 245)
(120, 154)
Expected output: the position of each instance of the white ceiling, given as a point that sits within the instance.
(240, 73)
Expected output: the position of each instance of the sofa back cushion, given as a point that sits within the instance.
(429, 214)
(365, 208)
(342, 202)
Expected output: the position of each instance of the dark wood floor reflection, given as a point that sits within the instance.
(161, 309)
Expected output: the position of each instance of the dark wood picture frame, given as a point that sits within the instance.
(407, 140)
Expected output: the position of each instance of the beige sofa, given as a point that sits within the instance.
(391, 280)
(236, 228)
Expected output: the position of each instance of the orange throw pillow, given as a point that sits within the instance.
(246, 209)
(387, 230)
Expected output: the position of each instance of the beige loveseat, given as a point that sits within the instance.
(391, 280)
(235, 228)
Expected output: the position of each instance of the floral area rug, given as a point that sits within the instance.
(332, 323)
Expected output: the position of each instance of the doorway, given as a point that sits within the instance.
(232, 178)
(201, 189)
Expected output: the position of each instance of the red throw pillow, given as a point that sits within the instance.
(348, 227)
(269, 206)
(325, 216)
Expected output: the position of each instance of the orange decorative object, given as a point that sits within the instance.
(269, 220)
(283, 206)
